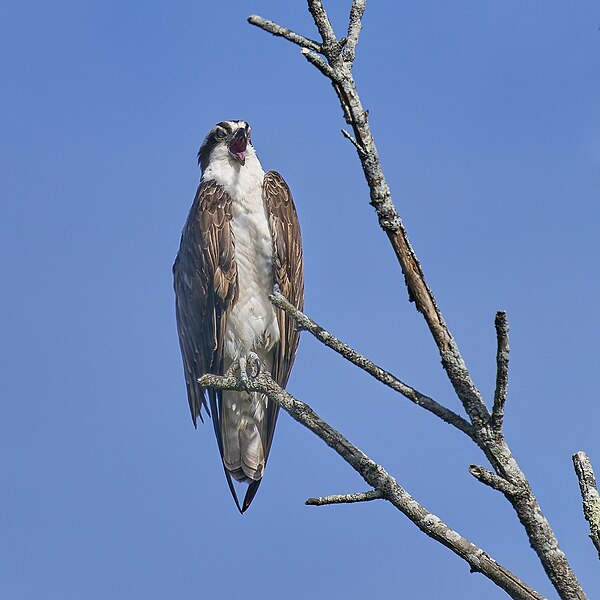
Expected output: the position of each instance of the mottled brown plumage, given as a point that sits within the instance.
(206, 288)
(288, 267)
(205, 279)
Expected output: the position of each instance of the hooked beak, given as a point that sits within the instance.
(238, 145)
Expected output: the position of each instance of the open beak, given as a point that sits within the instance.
(238, 145)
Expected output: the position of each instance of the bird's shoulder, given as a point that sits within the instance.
(275, 188)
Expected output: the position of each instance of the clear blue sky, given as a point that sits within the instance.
(486, 116)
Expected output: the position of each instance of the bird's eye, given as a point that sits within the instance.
(220, 133)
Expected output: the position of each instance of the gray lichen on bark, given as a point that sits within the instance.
(334, 58)
(384, 485)
(589, 495)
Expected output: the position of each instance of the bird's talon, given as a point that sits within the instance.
(253, 365)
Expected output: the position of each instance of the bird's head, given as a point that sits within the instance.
(227, 140)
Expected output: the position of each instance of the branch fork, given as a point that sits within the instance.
(383, 484)
(334, 58)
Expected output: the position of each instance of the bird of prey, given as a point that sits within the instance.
(241, 238)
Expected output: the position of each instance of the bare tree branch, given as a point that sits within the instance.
(284, 32)
(306, 323)
(345, 498)
(589, 495)
(323, 24)
(492, 480)
(358, 147)
(378, 478)
(340, 74)
(318, 62)
(501, 323)
(354, 27)
(338, 69)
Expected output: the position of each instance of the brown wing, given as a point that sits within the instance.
(288, 267)
(206, 287)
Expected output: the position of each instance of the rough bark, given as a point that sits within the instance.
(334, 58)
(383, 484)
(306, 323)
(589, 495)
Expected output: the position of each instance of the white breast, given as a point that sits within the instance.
(252, 322)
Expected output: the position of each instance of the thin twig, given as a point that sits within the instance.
(318, 62)
(284, 32)
(306, 323)
(354, 27)
(589, 495)
(358, 147)
(492, 480)
(323, 25)
(345, 498)
(502, 356)
(378, 478)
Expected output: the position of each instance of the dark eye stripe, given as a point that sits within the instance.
(225, 125)
(216, 137)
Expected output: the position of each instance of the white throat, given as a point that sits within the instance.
(236, 179)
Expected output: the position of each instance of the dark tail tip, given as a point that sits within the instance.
(250, 493)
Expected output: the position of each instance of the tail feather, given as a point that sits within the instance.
(244, 435)
(250, 493)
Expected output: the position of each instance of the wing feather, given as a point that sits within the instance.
(205, 280)
(288, 266)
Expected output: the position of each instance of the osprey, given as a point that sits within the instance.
(240, 239)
